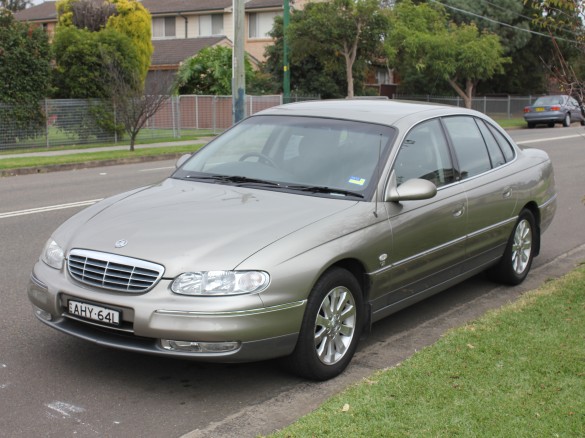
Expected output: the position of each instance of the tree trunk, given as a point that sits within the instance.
(349, 76)
(466, 95)
(133, 141)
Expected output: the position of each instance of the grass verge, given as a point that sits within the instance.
(33, 161)
(511, 123)
(516, 372)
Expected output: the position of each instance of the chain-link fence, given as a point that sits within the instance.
(80, 121)
(507, 107)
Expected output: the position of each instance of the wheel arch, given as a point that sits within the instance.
(533, 208)
(358, 270)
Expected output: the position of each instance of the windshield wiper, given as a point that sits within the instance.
(233, 179)
(323, 189)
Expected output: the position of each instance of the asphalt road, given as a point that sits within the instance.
(57, 386)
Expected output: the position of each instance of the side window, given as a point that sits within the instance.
(505, 145)
(469, 146)
(425, 154)
(494, 150)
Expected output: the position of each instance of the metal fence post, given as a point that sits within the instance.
(196, 112)
(214, 112)
(47, 124)
(178, 100)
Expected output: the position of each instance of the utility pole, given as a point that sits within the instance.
(286, 67)
(238, 64)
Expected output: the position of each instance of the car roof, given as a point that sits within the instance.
(387, 112)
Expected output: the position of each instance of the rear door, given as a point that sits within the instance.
(489, 186)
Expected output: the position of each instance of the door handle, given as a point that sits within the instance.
(458, 212)
(507, 192)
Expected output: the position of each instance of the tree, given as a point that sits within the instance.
(24, 78)
(133, 102)
(422, 36)
(90, 37)
(128, 18)
(210, 72)
(510, 20)
(504, 18)
(80, 57)
(562, 20)
(15, 5)
(350, 29)
(310, 75)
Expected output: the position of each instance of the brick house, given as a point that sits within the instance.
(181, 28)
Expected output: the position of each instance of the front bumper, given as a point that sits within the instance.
(257, 332)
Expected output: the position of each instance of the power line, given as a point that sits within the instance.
(463, 11)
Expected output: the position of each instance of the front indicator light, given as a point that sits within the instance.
(53, 255)
(199, 347)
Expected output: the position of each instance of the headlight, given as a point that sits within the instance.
(220, 282)
(53, 255)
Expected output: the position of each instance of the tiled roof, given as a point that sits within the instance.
(47, 12)
(257, 4)
(175, 51)
(44, 12)
(174, 6)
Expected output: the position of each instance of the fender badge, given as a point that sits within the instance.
(121, 243)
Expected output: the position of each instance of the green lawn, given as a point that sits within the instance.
(23, 162)
(516, 372)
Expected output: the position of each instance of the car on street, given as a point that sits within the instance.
(294, 231)
(548, 110)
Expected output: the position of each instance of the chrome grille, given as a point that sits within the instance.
(113, 272)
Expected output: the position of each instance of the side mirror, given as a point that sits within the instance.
(182, 160)
(411, 190)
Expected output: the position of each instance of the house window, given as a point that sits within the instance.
(211, 25)
(260, 23)
(164, 27)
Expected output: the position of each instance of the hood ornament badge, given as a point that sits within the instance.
(121, 243)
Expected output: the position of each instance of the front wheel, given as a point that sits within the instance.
(517, 259)
(331, 327)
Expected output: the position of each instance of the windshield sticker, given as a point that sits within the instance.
(356, 180)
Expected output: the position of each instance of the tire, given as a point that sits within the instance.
(551, 124)
(582, 122)
(530, 125)
(331, 327)
(567, 120)
(519, 253)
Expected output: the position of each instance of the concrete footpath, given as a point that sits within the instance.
(86, 164)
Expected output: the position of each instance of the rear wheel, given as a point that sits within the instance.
(567, 120)
(331, 327)
(517, 259)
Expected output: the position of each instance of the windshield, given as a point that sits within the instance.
(302, 154)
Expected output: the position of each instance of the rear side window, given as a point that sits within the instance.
(496, 154)
(505, 146)
(469, 145)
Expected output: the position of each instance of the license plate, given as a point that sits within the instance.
(539, 109)
(94, 313)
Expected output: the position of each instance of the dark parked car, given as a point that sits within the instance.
(295, 230)
(548, 110)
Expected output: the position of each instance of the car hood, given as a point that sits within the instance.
(189, 226)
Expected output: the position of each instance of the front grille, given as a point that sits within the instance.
(113, 272)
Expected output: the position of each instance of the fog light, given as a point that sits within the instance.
(199, 347)
(43, 314)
